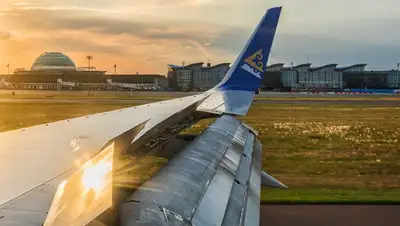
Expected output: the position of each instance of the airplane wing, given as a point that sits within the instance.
(32, 157)
(61, 173)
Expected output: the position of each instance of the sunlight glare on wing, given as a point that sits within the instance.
(95, 175)
(86, 193)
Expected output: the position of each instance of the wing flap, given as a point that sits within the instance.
(219, 169)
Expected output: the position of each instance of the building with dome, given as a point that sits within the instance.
(53, 61)
(53, 69)
(56, 71)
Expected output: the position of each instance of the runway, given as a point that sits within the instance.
(330, 215)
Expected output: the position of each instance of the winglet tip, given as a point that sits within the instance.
(269, 181)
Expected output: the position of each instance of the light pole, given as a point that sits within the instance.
(115, 69)
(8, 69)
(397, 75)
(89, 59)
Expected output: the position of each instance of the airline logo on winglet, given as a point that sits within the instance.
(254, 64)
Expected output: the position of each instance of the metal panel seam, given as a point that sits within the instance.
(240, 188)
(209, 182)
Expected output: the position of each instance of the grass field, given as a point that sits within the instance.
(20, 115)
(329, 154)
(157, 96)
(323, 153)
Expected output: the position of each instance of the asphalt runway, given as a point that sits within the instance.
(330, 215)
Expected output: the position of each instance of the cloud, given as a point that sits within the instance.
(320, 50)
(201, 48)
(25, 3)
(41, 19)
(68, 44)
(324, 50)
(153, 33)
(231, 40)
(5, 35)
(150, 45)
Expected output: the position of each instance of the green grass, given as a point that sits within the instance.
(331, 98)
(37, 94)
(122, 96)
(329, 153)
(94, 95)
(324, 153)
(331, 196)
(20, 115)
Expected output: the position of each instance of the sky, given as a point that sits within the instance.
(145, 35)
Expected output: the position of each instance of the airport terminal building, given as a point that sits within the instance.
(301, 77)
(329, 77)
(195, 76)
(56, 71)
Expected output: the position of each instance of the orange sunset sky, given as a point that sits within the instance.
(146, 35)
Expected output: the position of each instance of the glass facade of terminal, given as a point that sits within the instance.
(195, 76)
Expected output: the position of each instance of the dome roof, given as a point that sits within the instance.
(53, 61)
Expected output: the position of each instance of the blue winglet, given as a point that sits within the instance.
(247, 72)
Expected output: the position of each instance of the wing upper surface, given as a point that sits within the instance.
(32, 156)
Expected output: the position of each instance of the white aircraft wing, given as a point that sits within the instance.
(60, 173)
(44, 154)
